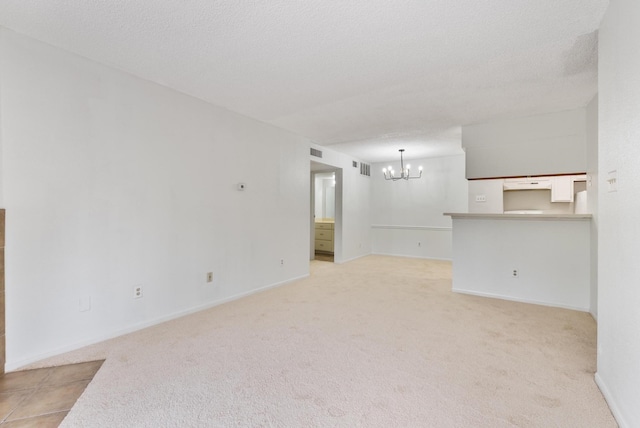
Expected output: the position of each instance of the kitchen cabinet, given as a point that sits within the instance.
(324, 236)
(562, 188)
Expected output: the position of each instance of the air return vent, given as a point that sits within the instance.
(315, 152)
(354, 163)
(365, 169)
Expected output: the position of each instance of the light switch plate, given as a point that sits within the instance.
(612, 181)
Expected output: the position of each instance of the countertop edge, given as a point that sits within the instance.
(496, 216)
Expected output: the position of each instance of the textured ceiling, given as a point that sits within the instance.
(366, 77)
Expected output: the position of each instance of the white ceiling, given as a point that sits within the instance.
(366, 77)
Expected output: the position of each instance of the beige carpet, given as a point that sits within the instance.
(377, 342)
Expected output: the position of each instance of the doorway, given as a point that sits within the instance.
(326, 207)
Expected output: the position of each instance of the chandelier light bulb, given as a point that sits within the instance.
(405, 172)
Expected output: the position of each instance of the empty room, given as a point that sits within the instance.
(319, 214)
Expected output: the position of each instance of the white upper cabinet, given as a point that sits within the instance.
(562, 188)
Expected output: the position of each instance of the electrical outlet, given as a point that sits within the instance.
(515, 273)
(281, 262)
(419, 244)
(137, 291)
(481, 198)
(209, 276)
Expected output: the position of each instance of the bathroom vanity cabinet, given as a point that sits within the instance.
(324, 233)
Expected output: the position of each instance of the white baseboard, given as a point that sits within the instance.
(615, 410)
(515, 299)
(14, 365)
(352, 258)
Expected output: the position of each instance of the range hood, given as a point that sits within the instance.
(527, 184)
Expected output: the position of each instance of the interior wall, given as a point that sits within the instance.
(549, 256)
(113, 182)
(618, 232)
(592, 197)
(318, 196)
(3, 341)
(486, 196)
(546, 144)
(352, 202)
(1, 155)
(324, 195)
(407, 216)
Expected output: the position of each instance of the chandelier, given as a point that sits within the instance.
(390, 174)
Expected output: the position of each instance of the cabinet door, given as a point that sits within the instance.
(326, 246)
(562, 189)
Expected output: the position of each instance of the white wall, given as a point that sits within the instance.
(112, 182)
(324, 186)
(551, 257)
(552, 143)
(407, 216)
(1, 90)
(352, 231)
(592, 197)
(491, 196)
(618, 212)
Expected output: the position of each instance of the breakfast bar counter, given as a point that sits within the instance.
(534, 258)
(499, 216)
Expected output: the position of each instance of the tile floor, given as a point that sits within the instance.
(43, 397)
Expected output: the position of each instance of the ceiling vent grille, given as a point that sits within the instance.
(315, 152)
(365, 169)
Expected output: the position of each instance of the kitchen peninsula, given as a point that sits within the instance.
(534, 258)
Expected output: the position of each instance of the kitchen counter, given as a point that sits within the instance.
(499, 216)
(325, 221)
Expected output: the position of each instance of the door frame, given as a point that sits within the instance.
(319, 167)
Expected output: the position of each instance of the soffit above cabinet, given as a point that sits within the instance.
(540, 145)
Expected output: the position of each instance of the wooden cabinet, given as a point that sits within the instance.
(324, 236)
